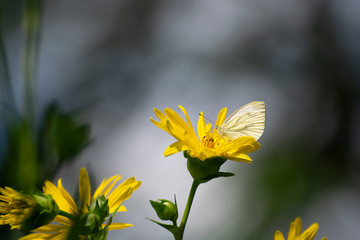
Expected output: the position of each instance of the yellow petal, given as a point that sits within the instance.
(201, 126)
(122, 193)
(191, 132)
(221, 117)
(309, 234)
(160, 125)
(116, 226)
(295, 229)
(50, 188)
(60, 235)
(239, 158)
(174, 148)
(186, 115)
(106, 186)
(49, 228)
(159, 114)
(84, 190)
(175, 118)
(36, 236)
(278, 236)
(115, 201)
(122, 208)
(208, 127)
(178, 127)
(239, 145)
(67, 197)
(63, 220)
(176, 131)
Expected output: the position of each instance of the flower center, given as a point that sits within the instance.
(210, 140)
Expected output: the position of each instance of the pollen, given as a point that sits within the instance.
(210, 140)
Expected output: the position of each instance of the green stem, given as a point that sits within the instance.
(66, 214)
(194, 186)
(32, 30)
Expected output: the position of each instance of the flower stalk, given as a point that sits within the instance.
(210, 147)
(182, 226)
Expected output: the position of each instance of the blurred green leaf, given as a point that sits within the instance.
(61, 136)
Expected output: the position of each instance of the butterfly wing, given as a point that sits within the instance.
(249, 120)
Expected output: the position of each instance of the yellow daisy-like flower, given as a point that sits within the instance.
(209, 143)
(15, 207)
(295, 232)
(60, 227)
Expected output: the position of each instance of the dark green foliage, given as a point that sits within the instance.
(29, 160)
(61, 137)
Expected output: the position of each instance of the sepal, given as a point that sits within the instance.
(203, 171)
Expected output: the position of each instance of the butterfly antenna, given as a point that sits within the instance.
(207, 119)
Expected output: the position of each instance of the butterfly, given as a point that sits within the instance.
(249, 120)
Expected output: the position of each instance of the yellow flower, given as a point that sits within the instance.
(15, 207)
(61, 226)
(209, 143)
(295, 232)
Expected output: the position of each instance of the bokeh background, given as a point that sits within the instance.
(110, 62)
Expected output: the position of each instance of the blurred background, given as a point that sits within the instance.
(108, 63)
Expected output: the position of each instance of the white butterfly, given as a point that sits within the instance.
(249, 120)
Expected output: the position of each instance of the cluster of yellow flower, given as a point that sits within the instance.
(53, 214)
(295, 232)
(231, 138)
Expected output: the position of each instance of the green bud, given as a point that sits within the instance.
(92, 221)
(100, 207)
(204, 170)
(45, 211)
(165, 209)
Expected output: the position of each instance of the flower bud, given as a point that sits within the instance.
(165, 209)
(44, 212)
(91, 221)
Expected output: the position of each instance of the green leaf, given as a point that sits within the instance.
(173, 229)
(62, 137)
(225, 174)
